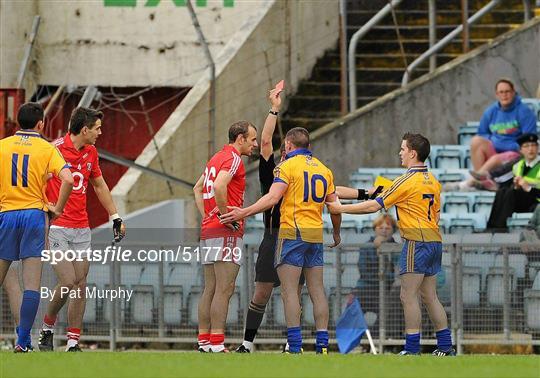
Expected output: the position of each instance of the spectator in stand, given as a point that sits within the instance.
(524, 194)
(496, 143)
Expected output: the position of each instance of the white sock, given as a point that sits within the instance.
(71, 343)
(45, 327)
(248, 345)
(205, 347)
(217, 348)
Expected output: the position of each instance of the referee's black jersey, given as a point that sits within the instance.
(266, 177)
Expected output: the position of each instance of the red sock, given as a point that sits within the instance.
(49, 321)
(74, 334)
(203, 339)
(217, 338)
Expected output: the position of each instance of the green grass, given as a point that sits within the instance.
(156, 364)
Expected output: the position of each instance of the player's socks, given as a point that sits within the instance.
(253, 320)
(412, 342)
(294, 338)
(203, 340)
(73, 336)
(216, 342)
(444, 340)
(48, 323)
(29, 307)
(321, 340)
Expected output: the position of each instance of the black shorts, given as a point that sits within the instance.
(265, 270)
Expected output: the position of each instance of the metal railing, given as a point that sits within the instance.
(491, 293)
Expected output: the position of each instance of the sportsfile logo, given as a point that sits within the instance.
(185, 254)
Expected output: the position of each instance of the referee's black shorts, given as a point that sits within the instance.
(264, 267)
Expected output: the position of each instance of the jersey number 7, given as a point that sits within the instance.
(431, 198)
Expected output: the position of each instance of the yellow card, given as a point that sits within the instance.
(382, 181)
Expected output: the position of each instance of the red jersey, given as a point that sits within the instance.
(84, 164)
(228, 159)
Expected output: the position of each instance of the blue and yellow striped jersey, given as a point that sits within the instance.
(417, 197)
(309, 182)
(26, 159)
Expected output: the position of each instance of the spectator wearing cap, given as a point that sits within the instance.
(524, 194)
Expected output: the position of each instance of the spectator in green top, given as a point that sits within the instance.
(524, 194)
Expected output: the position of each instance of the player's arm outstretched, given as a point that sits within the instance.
(345, 192)
(264, 203)
(105, 198)
(367, 207)
(270, 125)
(65, 190)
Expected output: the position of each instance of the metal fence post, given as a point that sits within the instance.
(246, 266)
(459, 299)
(112, 319)
(382, 302)
(506, 288)
(453, 292)
(432, 11)
(161, 304)
(339, 270)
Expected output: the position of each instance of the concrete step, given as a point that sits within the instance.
(382, 60)
(374, 89)
(422, 31)
(418, 45)
(309, 123)
(363, 74)
(420, 17)
(303, 112)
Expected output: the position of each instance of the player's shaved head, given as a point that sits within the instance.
(239, 128)
(298, 136)
(29, 115)
(418, 143)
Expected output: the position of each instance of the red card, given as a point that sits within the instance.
(279, 87)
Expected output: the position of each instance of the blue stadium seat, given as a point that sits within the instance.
(534, 105)
(532, 308)
(142, 304)
(172, 304)
(518, 221)
(466, 132)
(448, 158)
(456, 204)
(467, 222)
(483, 202)
(361, 180)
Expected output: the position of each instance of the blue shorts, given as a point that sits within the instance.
(421, 257)
(299, 253)
(22, 234)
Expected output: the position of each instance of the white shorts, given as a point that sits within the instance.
(77, 240)
(227, 249)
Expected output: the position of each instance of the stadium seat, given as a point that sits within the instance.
(467, 222)
(329, 276)
(90, 312)
(183, 274)
(173, 304)
(192, 302)
(361, 180)
(393, 173)
(483, 202)
(235, 314)
(471, 286)
(532, 308)
(106, 306)
(277, 310)
(99, 274)
(482, 261)
(534, 105)
(350, 275)
(518, 221)
(448, 158)
(130, 273)
(150, 274)
(456, 204)
(495, 285)
(142, 304)
(466, 132)
(444, 279)
(533, 269)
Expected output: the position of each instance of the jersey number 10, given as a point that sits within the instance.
(14, 165)
(311, 186)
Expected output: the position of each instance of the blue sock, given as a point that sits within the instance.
(412, 342)
(321, 340)
(294, 338)
(444, 340)
(29, 307)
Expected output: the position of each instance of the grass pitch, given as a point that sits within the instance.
(158, 364)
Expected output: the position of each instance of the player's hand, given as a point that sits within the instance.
(53, 212)
(334, 207)
(337, 239)
(234, 214)
(275, 101)
(119, 230)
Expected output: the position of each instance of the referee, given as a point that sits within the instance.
(266, 277)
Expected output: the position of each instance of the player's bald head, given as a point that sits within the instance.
(298, 137)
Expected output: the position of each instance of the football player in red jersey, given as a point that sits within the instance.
(222, 184)
(71, 231)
